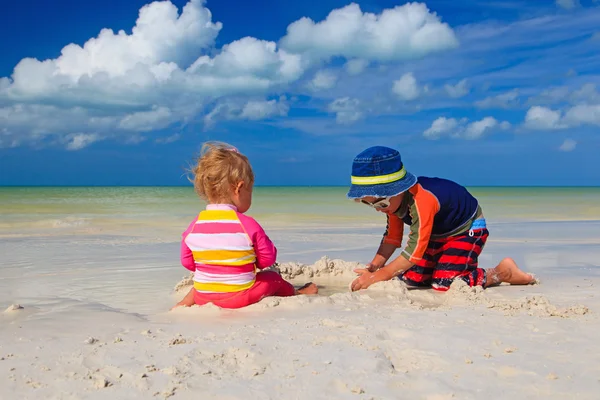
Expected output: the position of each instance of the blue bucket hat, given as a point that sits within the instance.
(378, 171)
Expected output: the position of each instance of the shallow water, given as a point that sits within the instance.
(119, 247)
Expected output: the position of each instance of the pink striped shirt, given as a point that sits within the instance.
(265, 250)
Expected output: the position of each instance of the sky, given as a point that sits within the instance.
(111, 92)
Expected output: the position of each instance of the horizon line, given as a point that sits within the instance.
(283, 186)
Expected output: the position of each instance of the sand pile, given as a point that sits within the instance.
(325, 268)
(342, 272)
(460, 294)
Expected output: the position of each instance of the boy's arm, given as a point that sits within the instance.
(422, 211)
(392, 239)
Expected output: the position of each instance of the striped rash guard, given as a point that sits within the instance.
(434, 208)
(223, 248)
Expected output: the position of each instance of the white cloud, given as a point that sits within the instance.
(440, 127)
(166, 70)
(462, 129)
(323, 80)
(568, 4)
(144, 121)
(477, 129)
(568, 145)
(404, 32)
(406, 87)
(543, 118)
(346, 109)
(583, 114)
(586, 94)
(252, 110)
(459, 90)
(257, 110)
(504, 100)
(356, 66)
(81, 140)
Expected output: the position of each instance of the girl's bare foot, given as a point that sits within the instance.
(309, 288)
(187, 301)
(508, 271)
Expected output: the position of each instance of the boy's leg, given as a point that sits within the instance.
(459, 259)
(420, 275)
(508, 271)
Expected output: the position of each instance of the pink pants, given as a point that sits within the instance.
(268, 283)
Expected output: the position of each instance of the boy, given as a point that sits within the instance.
(447, 227)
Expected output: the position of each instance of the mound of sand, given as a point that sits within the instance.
(460, 294)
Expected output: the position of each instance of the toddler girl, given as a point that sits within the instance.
(224, 247)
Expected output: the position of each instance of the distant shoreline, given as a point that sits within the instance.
(292, 186)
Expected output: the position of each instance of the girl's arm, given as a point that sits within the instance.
(187, 258)
(266, 252)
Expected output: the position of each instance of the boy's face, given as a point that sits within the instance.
(388, 205)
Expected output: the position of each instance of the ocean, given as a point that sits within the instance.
(102, 245)
(166, 211)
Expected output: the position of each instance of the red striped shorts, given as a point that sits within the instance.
(447, 259)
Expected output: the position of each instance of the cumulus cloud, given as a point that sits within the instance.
(166, 70)
(406, 87)
(583, 114)
(505, 100)
(323, 80)
(144, 121)
(459, 90)
(462, 129)
(404, 32)
(543, 118)
(80, 140)
(346, 110)
(568, 145)
(440, 127)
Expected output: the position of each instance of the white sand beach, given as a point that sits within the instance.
(95, 322)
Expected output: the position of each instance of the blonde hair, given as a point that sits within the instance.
(218, 169)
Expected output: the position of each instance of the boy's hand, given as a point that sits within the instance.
(372, 267)
(365, 279)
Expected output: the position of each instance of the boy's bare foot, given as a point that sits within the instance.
(508, 271)
(309, 288)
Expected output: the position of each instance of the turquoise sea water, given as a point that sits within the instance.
(139, 210)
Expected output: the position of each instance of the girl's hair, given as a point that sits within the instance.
(219, 168)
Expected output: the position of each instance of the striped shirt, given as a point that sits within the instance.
(433, 208)
(223, 248)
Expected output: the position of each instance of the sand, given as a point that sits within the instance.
(102, 329)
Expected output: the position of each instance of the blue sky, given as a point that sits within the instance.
(484, 92)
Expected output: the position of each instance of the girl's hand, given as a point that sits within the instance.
(365, 279)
